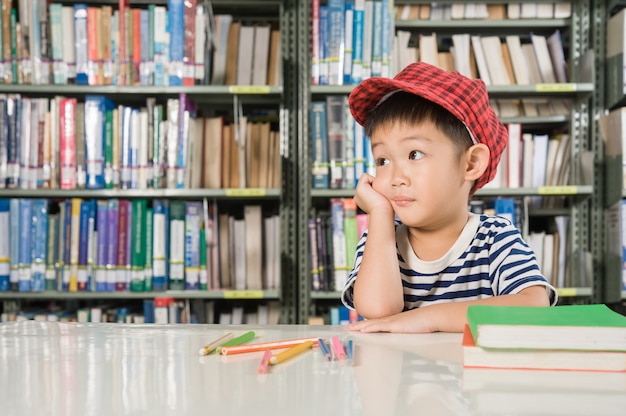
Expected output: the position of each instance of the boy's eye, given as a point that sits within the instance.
(415, 155)
(381, 161)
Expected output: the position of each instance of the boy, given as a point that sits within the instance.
(425, 258)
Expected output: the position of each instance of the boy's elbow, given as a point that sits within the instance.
(376, 311)
(536, 296)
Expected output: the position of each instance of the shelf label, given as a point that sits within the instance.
(249, 89)
(557, 87)
(243, 294)
(558, 190)
(567, 291)
(246, 192)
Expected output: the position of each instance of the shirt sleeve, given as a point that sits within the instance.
(514, 265)
(347, 294)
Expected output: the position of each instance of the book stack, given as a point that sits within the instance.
(567, 337)
(574, 356)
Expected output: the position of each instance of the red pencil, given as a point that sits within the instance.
(263, 346)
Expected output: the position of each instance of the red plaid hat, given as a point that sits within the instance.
(465, 98)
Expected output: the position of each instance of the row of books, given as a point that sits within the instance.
(533, 160)
(334, 315)
(351, 40)
(492, 11)
(341, 152)
(182, 43)
(510, 60)
(136, 245)
(160, 310)
(96, 144)
(333, 237)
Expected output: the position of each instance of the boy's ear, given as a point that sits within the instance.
(477, 161)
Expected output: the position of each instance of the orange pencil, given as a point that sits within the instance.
(263, 346)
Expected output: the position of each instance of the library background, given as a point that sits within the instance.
(194, 161)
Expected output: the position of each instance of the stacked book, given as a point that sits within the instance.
(568, 359)
(567, 337)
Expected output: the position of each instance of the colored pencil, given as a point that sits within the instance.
(350, 352)
(265, 362)
(241, 339)
(324, 350)
(291, 352)
(262, 346)
(207, 349)
(340, 354)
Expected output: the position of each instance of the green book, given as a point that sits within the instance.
(148, 267)
(138, 248)
(569, 327)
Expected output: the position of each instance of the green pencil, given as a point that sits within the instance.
(241, 339)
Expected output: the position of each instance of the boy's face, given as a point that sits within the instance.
(419, 171)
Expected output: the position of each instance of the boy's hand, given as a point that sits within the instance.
(415, 321)
(368, 198)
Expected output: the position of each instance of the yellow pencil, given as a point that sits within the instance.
(291, 352)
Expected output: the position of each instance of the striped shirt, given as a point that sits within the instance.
(489, 258)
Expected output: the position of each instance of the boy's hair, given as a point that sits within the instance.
(466, 99)
(410, 109)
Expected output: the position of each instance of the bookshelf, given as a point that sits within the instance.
(580, 31)
(275, 103)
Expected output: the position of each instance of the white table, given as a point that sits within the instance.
(49, 368)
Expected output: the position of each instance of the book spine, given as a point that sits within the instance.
(105, 44)
(80, 42)
(25, 142)
(14, 106)
(113, 239)
(203, 272)
(91, 242)
(138, 258)
(368, 37)
(145, 69)
(5, 243)
(176, 20)
(315, 42)
(377, 47)
(39, 238)
(83, 247)
(14, 243)
(65, 243)
(147, 269)
(135, 45)
(92, 46)
(177, 245)
(125, 147)
(336, 106)
(102, 245)
(67, 146)
(387, 35)
(94, 141)
(340, 270)
(52, 252)
(74, 243)
(324, 42)
(313, 255)
(4, 137)
(193, 215)
(189, 33)
(336, 41)
(123, 260)
(55, 11)
(203, 49)
(359, 150)
(108, 147)
(319, 141)
(159, 246)
(349, 42)
(25, 241)
(160, 45)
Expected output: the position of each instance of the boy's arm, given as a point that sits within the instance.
(448, 317)
(378, 285)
